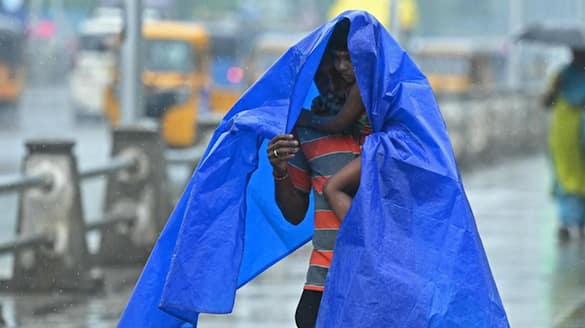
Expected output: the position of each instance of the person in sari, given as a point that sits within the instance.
(566, 98)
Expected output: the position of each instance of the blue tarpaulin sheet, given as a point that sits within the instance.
(408, 254)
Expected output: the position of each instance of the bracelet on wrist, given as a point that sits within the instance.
(279, 179)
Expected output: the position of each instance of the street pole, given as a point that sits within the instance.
(132, 65)
(395, 19)
(580, 12)
(515, 19)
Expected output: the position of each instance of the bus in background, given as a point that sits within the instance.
(11, 61)
(461, 67)
(226, 69)
(94, 63)
(175, 72)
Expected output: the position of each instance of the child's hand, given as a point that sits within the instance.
(318, 106)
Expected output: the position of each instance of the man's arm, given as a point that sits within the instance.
(292, 202)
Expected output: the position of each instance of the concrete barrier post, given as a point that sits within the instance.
(456, 128)
(140, 193)
(54, 211)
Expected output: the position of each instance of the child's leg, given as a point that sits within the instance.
(341, 187)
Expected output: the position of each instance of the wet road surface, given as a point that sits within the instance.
(541, 283)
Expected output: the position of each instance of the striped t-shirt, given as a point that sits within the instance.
(321, 156)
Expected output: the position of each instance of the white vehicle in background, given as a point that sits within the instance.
(94, 63)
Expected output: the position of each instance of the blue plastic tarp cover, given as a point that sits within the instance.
(408, 254)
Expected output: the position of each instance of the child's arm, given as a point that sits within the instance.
(349, 113)
(341, 187)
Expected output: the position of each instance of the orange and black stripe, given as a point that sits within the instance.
(321, 157)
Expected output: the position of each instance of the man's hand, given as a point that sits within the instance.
(292, 203)
(281, 149)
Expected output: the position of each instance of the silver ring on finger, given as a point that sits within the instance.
(275, 152)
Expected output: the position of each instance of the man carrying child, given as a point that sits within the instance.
(322, 145)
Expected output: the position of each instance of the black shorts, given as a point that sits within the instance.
(308, 308)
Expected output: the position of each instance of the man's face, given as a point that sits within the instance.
(343, 65)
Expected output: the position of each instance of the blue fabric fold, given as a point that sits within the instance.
(408, 254)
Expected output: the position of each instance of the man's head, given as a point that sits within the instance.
(344, 66)
(340, 52)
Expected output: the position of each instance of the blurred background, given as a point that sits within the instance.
(72, 71)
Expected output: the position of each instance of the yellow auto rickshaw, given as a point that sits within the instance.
(175, 73)
(11, 62)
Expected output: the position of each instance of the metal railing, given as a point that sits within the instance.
(13, 184)
(18, 183)
(116, 165)
(190, 159)
(136, 208)
(33, 241)
(107, 222)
